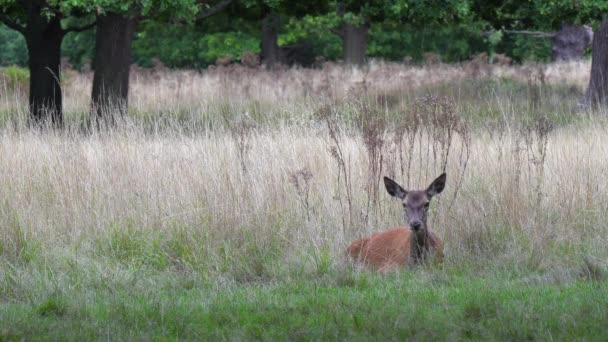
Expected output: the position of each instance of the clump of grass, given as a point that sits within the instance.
(252, 259)
(54, 305)
(127, 246)
(16, 243)
(185, 249)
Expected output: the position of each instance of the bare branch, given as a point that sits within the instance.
(81, 28)
(8, 22)
(214, 10)
(539, 34)
(338, 32)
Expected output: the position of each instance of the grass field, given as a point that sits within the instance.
(424, 304)
(222, 206)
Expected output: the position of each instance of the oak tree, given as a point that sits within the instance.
(41, 22)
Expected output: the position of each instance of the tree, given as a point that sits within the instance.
(354, 34)
(597, 91)
(563, 21)
(39, 21)
(355, 17)
(112, 64)
(354, 31)
(116, 26)
(570, 42)
(271, 14)
(549, 15)
(270, 52)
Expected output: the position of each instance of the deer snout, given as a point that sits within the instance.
(416, 225)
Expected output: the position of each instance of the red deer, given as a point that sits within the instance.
(391, 249)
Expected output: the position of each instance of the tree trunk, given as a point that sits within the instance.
(569, 43)
(597, 92)
(355, 44)
(43, 38)
(271, 53)
(112, 62)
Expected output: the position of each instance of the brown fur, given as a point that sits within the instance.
(388, 250)
(391, 249)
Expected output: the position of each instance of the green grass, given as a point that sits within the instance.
(395, 308)
(124, 293)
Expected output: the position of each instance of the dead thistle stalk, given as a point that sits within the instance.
(301, 180)
(373, 127)
(325, 113)
(241, 131)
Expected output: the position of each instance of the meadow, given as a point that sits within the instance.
(221, 207)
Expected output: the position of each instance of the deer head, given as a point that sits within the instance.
(416, 203)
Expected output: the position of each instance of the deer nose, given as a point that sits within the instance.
(416, 225)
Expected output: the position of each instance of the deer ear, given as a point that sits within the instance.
(394, 189)
(437, 185)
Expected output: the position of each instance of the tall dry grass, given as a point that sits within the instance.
(213, 97)
(250, 196)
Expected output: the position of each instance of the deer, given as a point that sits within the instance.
(391, 249)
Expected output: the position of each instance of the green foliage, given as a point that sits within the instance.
(394, 42)
(79, 48)
(389, 40)
(551, 14)
(495, 38)
(183, 46)
(223, 44)
(260, 8)
(399, 28)
(524, 48)
(12, 47)
(160, 9)
(538, 14)
(410, 11)
(315, 31)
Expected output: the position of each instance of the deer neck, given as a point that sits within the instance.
(420, 244)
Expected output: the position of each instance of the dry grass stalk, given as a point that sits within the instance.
(185, 162)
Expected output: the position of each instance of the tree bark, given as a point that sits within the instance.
(112, 63)
(597, 92)
(43, 37)
(355, 43)
(569, 43)
(271, 53)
